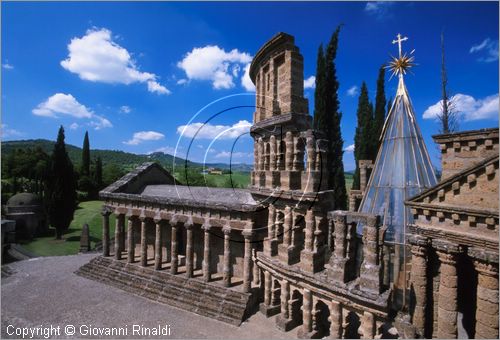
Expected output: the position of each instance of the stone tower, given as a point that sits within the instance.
(289, 174)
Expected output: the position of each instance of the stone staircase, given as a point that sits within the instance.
(194, 295)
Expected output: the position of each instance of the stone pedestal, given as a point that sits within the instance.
(85, 239)
(273, 179)
(290, 180)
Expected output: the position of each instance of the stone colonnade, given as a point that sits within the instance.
(176, 222)
(311, 312)
(486, 267)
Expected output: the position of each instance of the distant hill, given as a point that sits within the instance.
(125, 160)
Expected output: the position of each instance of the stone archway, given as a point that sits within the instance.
(353, 323)
(320, 320)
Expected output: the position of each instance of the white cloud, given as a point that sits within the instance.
(310, 82)
(143, 136)
(353, 91)
(182, 81)
(209, 131)
(96, 57)
(73, 126)
(467, 107)
(7, 132)
(349, 148)
(7, 66)
(227, 154)
(246, 81)
(380, 9)
(489, 48)
(125, 109)
(65, 104)
(214, 64)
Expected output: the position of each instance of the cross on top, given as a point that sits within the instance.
(398, 41)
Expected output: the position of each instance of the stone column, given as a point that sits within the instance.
(309, 232)
(289, 151)
(226, 275)
(338, 260)
(306, 313)
(370, 274)
(298, 155)
(362, 178)
(189, 249)
(285, 296)
(206, 253)
(174, 260)
(120, 221)
(247, 260)
(261, 154)
(368, 325)
(335, 320)
(447, 298)
(272, 153)
(418, 277)
(158, 248)
(486, 265)
(311, 154)
(267, 288)
(130, 239)
(271, 241)
(144, 244)
(287, 229)
(105, 231)
(256, 274)
(256, 157)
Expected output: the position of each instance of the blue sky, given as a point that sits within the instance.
(135, 74)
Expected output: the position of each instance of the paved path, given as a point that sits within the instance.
(44, 292)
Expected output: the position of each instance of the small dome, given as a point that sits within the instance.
(24, 198)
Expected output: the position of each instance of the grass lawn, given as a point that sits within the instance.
(240, 179)
(88, 212)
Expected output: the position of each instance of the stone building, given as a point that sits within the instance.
(454, 241)
(276, 247)
(27, 210)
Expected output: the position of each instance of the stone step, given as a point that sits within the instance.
(194, 295)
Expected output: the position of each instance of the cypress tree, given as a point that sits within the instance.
(336, 178)
(362, 138)
(379, 114)
(61, 187)
(319, 93)
(85, 171)
(98, 173)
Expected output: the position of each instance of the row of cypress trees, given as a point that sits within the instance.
(369, 125)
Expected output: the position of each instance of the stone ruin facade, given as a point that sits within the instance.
(278, 248)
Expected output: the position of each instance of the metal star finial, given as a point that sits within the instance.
(399, 66)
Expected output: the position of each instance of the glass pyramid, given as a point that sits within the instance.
(402, 169)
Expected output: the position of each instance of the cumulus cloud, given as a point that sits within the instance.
(125, 109)
(7, 66)
(349, 148)
(380, 9)
(209, 131)
(65, 104)
(96, 57)
(7, 132)
(310, 82)
(467, 107)
(143, 136)
(214, 64)
(246, 81)
(488, 49)
(353, 91)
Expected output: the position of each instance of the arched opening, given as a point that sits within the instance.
(321, 324)
(276, 293)
(295, 308)
(352, 326)
(467, 284)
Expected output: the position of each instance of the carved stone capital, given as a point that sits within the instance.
(247, 234)
(106, 211)
(446, 251)
(226, 230)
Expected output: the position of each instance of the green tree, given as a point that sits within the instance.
(98, 173)
(331, 128)
(61, 187)
(111, 173)
(379, 114)
(320, 92)
(363, 137)
(85, 169)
